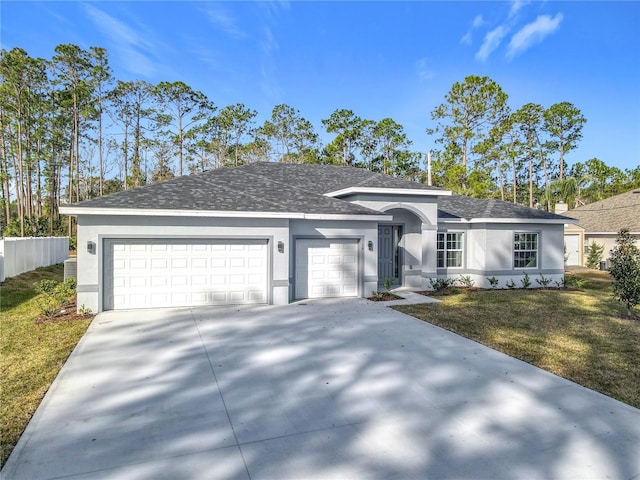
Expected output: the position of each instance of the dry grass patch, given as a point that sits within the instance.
(31, 352)
(577, 334)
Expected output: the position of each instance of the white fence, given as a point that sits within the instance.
(19, 254)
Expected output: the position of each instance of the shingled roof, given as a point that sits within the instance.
(329, 178)
(257, 187)
(610, 215)
(293, 188)
(459, 206)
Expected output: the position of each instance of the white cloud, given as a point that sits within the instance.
(131, 45)
(424, 72)
(478, 22)
(223, 20)
(268, 71)
(533, 33)
(116, 28)
(516, 5)
(491, 42)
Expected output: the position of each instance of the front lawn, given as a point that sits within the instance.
(580, 335)
(31, 353)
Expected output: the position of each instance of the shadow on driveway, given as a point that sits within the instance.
(319, 389)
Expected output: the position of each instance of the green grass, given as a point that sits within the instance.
(31, 354)
(580, 335)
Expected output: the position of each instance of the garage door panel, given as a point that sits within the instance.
(137, 264)
(159, 281)
(157, 263)
(161, 273)
(199, 263)
(326, 268)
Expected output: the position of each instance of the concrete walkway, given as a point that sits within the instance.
(336, 389)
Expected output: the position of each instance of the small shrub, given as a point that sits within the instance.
(543, 281)
(388, 282)
(594, 255)
(526, 283)
(45, 286)
(625, 270)
(493, 281)
(374, 294)
(511, 284)
(574, 282)
(559, 284)
(466, 281)
(441, 283)
(83, 310)
(68, 288)
(55, 295)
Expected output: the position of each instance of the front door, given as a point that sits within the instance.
(389, 260)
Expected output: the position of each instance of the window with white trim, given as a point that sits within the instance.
(525, 250)
(450, 249)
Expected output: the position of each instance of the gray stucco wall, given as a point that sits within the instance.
(97, 228)
(488, 252)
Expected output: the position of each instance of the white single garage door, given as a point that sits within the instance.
(572, 245)
(326, 268)
(146, 273)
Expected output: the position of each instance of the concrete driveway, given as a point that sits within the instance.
(344, 389)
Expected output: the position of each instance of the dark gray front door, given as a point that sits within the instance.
(389, 253)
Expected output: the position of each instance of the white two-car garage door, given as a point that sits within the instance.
(145, 273)
(326, 268)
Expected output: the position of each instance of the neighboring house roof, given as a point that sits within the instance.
(610, 215)
(461, 207)
(285, 189)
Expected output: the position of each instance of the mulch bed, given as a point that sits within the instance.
(67, 314)
(443, 292)
(385, 297)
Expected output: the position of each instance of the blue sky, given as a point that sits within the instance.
(379, 59)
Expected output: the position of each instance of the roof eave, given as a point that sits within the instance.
(553, 221)
(586, 232)
(74, 211)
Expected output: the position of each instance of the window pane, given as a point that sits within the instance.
(454, 241)
(525, 250)
(454, 259)
(449, 249)
(532, 260)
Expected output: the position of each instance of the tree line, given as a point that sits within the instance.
(71, 131)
